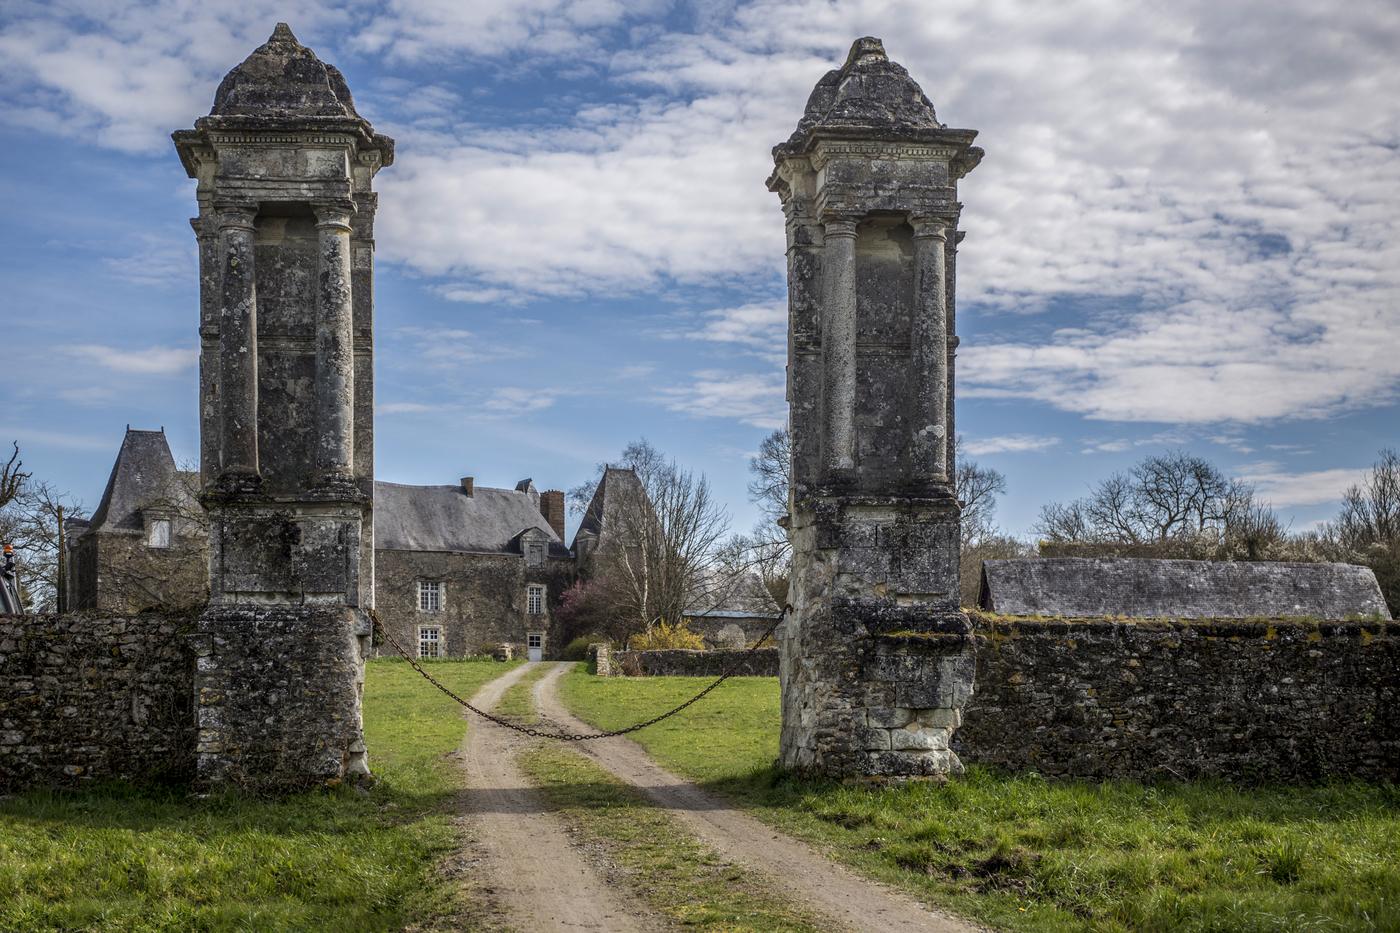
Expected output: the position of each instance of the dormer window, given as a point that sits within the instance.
(158, 534)
(534, 553)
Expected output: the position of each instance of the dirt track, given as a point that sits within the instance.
(850, 901)
(530, 866)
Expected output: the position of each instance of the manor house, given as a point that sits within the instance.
(460, 569)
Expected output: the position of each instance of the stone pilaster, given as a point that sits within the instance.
(839, 345)
(238, 342)
(335, 355)
(928, 448)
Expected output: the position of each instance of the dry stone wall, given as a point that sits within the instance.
(677, 662)
(1242, 700)
(87, 697)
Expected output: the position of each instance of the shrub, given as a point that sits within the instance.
(663, 635)
(577, 650)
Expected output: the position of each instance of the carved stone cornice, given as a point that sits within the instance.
(875, 149)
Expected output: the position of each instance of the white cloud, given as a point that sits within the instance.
(1284, 490)
(89, 396)
(752, 399)
(38, 437)
(1008, 444)
(758, 327)
(1218, 179)
(450, 347)
(406, 408)
(147, 361)
(512, 400)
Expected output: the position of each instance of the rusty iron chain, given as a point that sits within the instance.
(576, 736)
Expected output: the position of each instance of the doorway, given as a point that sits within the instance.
(534, 644)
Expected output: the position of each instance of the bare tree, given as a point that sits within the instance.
(1367, 530)
(1170, 505)
(32, 522)
(977, 488)
(659, 553)
(12, 478)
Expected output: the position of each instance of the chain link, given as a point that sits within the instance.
(576, 736)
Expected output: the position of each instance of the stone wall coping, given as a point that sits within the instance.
(1261, 626)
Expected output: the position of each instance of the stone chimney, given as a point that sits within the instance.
(469, 486)
(552, 508)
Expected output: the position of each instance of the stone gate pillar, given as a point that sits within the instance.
(877, 657)
(285, 167)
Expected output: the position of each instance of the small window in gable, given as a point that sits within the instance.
(159, 533)
(534, 553)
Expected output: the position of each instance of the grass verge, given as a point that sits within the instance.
(118, 857)
(1024, 853)
(652, 854)
(516, 703)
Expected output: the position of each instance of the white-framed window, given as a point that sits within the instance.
(159, 533)
(429, 595)
(430, 641)
(535, 640)
(534, 599)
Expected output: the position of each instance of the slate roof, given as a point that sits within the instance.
(1181, 589)
(614, 488)
(143, 475)
(445, 518)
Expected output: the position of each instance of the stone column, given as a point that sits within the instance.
(238, 342)
(839, 344)
(335, 354)
(930, 352)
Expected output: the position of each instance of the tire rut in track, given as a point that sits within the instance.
(850, 901)
(531, 868)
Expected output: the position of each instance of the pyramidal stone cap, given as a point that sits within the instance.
(870, 97)
(284, 78)
(284, 86)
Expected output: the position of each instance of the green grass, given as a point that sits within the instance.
(1024, 853)
(653, 854)
(517, 703)
(117, 857)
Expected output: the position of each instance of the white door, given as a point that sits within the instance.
(535, 643)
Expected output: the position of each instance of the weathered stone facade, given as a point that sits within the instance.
(1280, 700)
(483, 550)
(876, 657)
(87, 696)
(146, 546)
(285, 166)
(485, 600)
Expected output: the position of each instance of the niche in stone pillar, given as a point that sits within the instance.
(286, 277)
(884, 316)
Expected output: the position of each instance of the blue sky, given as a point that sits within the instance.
(1185, 231)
